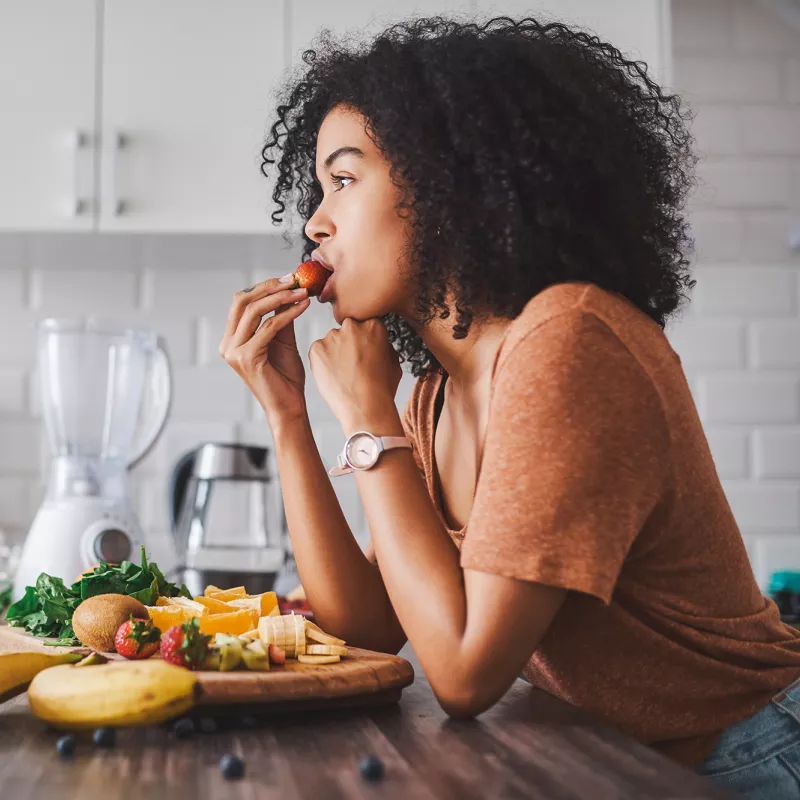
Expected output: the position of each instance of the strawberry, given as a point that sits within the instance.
(184, 645)
(277, 655)
(137, 638)
(310, 275)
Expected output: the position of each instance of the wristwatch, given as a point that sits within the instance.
(362, 451)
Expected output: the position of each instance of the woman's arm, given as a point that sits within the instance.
(343, 588)
(472, 631)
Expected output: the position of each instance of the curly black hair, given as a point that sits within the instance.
(527, 153)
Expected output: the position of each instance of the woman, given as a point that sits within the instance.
(500, 205)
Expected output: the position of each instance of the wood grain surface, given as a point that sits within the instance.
(529, 746)
(362, 676)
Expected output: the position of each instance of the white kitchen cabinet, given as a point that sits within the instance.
(150, 115)
(365, 17)
(640, 28)
(188, 91)
(47, 114)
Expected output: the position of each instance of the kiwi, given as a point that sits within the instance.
(97, 619)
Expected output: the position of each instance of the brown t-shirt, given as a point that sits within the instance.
(596, 476)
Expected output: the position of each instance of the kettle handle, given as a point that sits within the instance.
(179, 480)
(160, 384)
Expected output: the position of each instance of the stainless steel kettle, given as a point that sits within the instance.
(228, 519)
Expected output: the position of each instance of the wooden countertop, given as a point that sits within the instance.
(530, 745)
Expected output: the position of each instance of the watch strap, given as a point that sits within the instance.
(385, 442)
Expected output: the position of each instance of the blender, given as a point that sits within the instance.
(106, 393)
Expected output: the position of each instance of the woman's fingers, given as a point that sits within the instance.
(242, 299)
(259, 307)
(271, 326)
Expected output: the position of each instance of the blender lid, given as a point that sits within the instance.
(93, 323)
(231, 462)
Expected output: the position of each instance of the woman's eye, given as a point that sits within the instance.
(336, 180)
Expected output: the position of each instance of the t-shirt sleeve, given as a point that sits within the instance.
(575, 458)
(409, 422)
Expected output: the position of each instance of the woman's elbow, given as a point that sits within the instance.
(462, 702)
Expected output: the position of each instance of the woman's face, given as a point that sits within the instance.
(356, 226)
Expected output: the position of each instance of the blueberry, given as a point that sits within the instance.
(66, 746)
(371, 768)
(208, 725)
(231, 767)
(183, 728)
(248, 722)
(105, 737)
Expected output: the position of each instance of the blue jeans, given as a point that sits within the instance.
(759, 757)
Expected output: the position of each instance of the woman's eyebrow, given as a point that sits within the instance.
(342, 151)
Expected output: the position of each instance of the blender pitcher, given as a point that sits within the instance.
(106, 393)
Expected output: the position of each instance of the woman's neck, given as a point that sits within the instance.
(468, 362)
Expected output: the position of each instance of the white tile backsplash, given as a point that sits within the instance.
(750, 398)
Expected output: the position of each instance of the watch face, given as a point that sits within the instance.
(362, 451)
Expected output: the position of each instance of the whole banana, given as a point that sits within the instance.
(17, 670)
(117, 694)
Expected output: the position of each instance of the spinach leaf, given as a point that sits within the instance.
(46, 609)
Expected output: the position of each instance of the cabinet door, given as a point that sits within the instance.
(366, 17)
(47, 114)
(640, 28)
(188, 96)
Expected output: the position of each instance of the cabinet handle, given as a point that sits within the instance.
(78, 141)
(118, 205)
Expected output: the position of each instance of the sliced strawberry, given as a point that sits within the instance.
(277, 655)
(184, 645)
(137, 638)
(311, 275)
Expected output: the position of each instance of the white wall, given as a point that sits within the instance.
(739, 67)
(739, 340)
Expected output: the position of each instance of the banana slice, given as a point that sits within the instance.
(274, 630)
(316, 634)
(289, 634)
(300, 635)
(325, 650)
(318, 659)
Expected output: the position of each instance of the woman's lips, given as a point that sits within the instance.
(327, 289)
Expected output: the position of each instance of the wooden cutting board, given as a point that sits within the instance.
(362, 678)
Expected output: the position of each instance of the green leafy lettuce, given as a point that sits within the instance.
(46, 609)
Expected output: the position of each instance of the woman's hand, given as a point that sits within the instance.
(266, 357)
(357, 371)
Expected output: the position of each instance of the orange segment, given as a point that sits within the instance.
(164, 601)
(269, 603)
(236, 623)
(215, 606)
(164, 617)
(227, 594)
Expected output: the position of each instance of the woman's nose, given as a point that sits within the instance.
(319, 227)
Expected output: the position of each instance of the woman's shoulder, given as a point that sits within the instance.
(572, 313)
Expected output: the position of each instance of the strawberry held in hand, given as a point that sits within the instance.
(310, 275)
(137, 638)
(184, 645)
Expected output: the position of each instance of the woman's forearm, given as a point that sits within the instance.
(418, 560)
(344, 589)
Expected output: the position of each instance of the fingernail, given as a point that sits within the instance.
(287, 278)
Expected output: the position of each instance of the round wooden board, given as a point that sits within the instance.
(362, 673)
